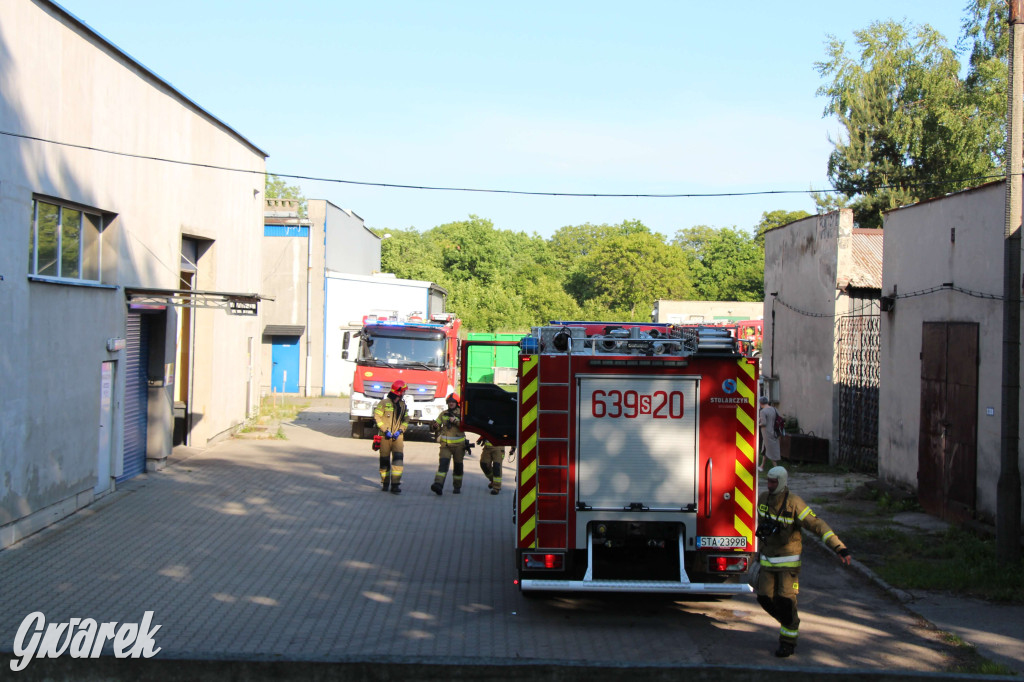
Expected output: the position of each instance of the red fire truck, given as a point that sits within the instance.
(636, 448)
(422, 353)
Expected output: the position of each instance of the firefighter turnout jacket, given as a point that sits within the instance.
(391, 417)
(781, 550)
(451, 431)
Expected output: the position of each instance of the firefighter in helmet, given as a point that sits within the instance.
(392, 418)
(781, 516)
(453, 446)
(490, 463)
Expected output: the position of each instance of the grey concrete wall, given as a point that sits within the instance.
(802, 264)
(80, 90)
(920, 255)
(350, 247)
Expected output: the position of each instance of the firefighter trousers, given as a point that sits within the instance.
(454, 451)
(490, 464)
(391, 461)
(776, 593)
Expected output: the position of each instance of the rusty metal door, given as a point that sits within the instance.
(948, 435)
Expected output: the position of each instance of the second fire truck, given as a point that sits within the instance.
(636, 449)
(422, 353)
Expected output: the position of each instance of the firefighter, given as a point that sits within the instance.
(392, 418)
(453, 446)
(780, 517)
(490, 464)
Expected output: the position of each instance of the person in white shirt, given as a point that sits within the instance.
(769, 441)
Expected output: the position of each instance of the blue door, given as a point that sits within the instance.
(284, 378)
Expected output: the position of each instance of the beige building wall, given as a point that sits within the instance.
(70, 89)
(295, 269)
(802, 300)
(958, 240)
(684, 312)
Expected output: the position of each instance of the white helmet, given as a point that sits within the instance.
(779, 474)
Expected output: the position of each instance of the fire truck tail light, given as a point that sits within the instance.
(727, 564)
(549, 561)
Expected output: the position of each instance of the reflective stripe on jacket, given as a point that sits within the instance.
(391, 417)
(451, 430)
(782, 550)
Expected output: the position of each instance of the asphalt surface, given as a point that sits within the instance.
(288, 549)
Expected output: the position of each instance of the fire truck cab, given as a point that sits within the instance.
(420, 352)
(636, 457)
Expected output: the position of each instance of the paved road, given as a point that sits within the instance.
(288, 548)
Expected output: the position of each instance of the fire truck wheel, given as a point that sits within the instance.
(357, 429)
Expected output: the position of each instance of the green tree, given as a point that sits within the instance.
(626, 273)
(772, 219)
(572, 242)
(985, 32)
(276, 188)
(727, 263)
(911, 129)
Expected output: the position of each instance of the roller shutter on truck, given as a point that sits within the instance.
(637, 442)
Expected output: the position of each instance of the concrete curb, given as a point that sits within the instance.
(403, 669)
(899, 595)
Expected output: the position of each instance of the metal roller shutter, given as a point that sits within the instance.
(135, 396)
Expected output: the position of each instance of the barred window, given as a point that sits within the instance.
(65, 242)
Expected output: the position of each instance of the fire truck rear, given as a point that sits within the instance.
(636, 448)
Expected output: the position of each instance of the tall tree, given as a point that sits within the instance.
(627, 273)
(276, 188)
(985, 33)
(773, 219)
(727, 263)
(911, 129)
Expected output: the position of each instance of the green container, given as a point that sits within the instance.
(483, 359)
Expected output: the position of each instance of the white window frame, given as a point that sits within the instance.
(96, 248)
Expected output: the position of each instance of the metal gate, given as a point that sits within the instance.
(136, 395)
(857, 379)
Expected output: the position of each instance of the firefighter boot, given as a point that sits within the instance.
(385, 481)
(786, 648)
(396, 489)
(442, 473)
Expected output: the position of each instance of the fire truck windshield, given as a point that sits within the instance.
(403, 348)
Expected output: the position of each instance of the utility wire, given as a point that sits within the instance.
(874, 303)
(622, 195)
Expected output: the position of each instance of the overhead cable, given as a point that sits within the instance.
(434, 188)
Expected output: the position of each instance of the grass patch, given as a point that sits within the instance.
(970, 662)
(954, 561)
(280, 409)
(274, 410)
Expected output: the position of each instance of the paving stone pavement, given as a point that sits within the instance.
(289, 548)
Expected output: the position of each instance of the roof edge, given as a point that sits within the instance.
(103, 41)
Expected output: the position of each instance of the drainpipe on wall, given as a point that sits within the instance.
(309, 304)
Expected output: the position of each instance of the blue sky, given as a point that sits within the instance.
(576, 97)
